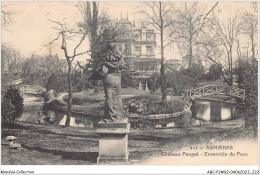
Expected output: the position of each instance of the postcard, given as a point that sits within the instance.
(103, 84)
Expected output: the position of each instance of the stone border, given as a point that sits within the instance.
(164, 116)
(151, 117)
(72, 111)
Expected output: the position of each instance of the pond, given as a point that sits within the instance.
(212, 110)
(202, 110)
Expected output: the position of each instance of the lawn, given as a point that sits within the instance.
(89, 98)
(57, 145)
(88, 102)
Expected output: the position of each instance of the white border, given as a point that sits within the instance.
(131, 169)
(124, 169)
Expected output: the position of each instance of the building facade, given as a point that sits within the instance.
(138, 47)
(136, 44)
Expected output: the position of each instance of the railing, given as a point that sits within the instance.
(216, 89)
(240, 93)
(31, 89)
(15, 82)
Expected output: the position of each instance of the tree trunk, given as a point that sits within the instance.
(70, 95)
(162, 70)
(229, 53)
(92, 21)
(222, 71)
(231, 67)
(190, 59)
(175, 87)
(253, 46)
(239, 52)
(94, 27)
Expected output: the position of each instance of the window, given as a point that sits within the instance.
(149, 50)
(138, 50)
(137, 35)
(149, 36)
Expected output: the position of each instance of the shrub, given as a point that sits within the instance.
(194, 71)
(57, 82)
(35, 78)
(178, 82)
(251, 103)
(80, 81)
(240, 70)
(127, 80)
(98, 86)
(215, 72)
(12, 105)
(154, 82)
(147, 107)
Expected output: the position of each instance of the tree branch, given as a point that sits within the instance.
(204, 19)
(53, 40)
(80, 42)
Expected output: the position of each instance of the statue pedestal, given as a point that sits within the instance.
(113, 141)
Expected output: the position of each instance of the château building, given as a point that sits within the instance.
(138, 46)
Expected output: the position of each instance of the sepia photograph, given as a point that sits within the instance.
(129, 83)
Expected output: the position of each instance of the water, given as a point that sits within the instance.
(202, 110)
(213, 111)
(35, 112)
(38, 114)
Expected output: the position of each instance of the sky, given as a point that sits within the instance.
(30, 29)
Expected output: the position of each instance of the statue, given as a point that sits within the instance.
(111, 70)
(114, 127)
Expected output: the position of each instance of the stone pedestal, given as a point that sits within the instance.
(113, 141)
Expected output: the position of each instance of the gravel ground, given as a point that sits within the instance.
(58, 145)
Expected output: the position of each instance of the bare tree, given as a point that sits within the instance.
(11, 66)
(6, 15)
(248, 26)
(66, 35)
(210, 49)
(158, 14)
(226, 33)
(94, 22)
(90, 22)
(217, 45)
(238, 43)
(11, 60)
(190, 23)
